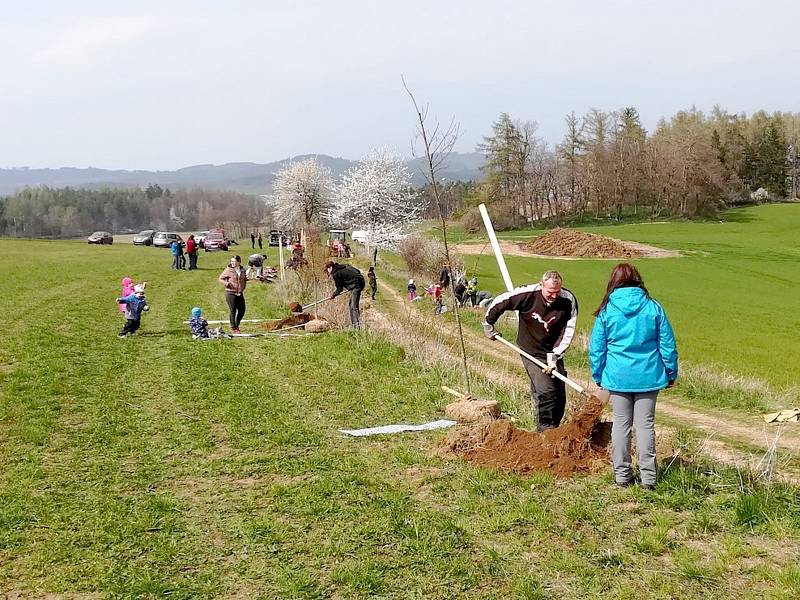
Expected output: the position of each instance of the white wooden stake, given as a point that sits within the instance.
(501, 262)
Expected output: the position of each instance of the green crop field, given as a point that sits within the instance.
(156, 466)
(732, 298)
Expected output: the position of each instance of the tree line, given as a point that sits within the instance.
(70, 212)
(608, 165)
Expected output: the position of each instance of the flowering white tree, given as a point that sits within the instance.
(376, 196)
(301, 194)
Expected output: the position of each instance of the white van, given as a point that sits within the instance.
(359, 236)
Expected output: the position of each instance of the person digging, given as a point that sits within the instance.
(547, 316)
(347, 277)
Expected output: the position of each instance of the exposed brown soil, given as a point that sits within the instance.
(568, 242)
(290, 321)
(579, 446)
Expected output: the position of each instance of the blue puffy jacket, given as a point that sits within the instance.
(632, 347)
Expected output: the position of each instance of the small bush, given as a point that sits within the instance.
(424, 257)
(472, 221)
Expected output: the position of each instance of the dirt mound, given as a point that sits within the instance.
(468, 410)
(579, 446)
(294, 319)
(318, 326)
(567, 242)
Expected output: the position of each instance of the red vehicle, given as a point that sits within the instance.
(216, 240)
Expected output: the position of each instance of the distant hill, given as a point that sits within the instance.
(248, 177)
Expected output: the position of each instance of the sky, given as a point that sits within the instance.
(166, 84)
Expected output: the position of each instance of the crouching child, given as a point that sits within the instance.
(199, 327)
(135, 304)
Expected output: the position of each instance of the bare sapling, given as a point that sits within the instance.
(437, 145)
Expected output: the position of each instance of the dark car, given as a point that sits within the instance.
(144, 238)
(164, 239)
(215, 240)
(101, 237)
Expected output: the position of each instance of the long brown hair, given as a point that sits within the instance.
(622, 276)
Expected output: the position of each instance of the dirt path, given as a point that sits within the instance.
(750, 430)
(515, 249)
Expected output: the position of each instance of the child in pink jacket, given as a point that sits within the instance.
(127, 290)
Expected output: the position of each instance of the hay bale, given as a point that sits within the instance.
(468, 410)
(318, 326)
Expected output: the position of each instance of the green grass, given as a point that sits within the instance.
(157, 466)
(732, 298)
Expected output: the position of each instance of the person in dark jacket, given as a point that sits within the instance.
(459, 290)
(135, 304)
(260, 241)
(547, 316)
(253, 241)
(347, 277)
(632, 354)
(444, 276)
(373, 281)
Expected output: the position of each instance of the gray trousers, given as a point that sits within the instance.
(639, 410)
(549, 395)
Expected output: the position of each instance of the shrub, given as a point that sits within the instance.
(424, 257)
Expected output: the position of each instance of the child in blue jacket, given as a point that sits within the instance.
(135, 304)
(632, 354)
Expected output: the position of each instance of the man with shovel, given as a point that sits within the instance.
(347, 277)
(547, 316)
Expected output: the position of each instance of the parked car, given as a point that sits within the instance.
(144, 238)
(359, 235)
(164, 239)
(101, 237)
(276, 236)
(199, 237)
(215, 240)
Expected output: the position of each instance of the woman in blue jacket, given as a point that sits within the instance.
(632, 354)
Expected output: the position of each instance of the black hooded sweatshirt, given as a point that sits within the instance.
(346, 277)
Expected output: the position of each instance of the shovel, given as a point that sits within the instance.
(601, 395)
(326, 299)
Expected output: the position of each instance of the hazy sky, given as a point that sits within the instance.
(165, 84)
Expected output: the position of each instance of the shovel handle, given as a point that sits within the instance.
(319, 301)
(578, 388)
(453, 392)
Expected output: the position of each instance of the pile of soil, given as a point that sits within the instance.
(290, 321)
(468, 410)
(567, 242)
(581, 445)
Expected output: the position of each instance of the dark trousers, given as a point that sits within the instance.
(260, 247)
(549, 394)
(236, 306)
(192, 261)
(374, 290)
(355, 311)
(131, 326)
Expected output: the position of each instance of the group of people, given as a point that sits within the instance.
(632, 349)
(256, 237)
(632, 355)
(179, 256)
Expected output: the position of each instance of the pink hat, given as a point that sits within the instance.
(127, 281)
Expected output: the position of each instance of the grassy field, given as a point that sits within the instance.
(732, 298)
(157, 466)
